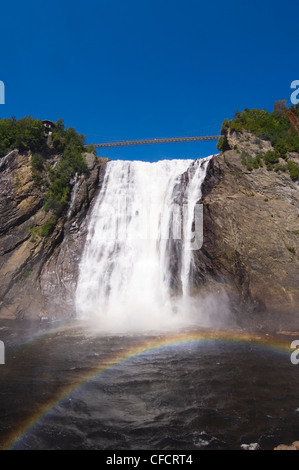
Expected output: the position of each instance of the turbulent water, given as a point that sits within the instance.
(143, 229)
(57, 393)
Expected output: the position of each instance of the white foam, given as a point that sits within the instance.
(125, 272)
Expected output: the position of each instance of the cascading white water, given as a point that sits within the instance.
(126, 274)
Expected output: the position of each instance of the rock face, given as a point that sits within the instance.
(294, 446)
(251, 239)
(38, 274)
(249, 253)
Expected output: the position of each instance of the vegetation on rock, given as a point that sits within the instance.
(275, 127)
(48, 227)
(70, 145)
(294, 170)
(25, 134)
(55, 178)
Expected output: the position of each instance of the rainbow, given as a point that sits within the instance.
(274, 343)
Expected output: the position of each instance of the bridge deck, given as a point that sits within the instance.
(156, 141)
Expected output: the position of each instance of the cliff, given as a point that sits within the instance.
(250, 249)
(251, 236)
(38, 273)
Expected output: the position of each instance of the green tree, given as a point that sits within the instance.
(37, 162)
(274, 127)
(72, 162)
(90, 148)
(7, 136)
(29, 134)
(223, 144)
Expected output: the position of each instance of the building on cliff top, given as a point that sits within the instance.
(49, 126)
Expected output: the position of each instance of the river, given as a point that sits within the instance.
(68, 386)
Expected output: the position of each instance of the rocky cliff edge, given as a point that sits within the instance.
(38, 273)
(251, 236)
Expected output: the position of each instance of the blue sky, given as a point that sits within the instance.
(130, 69)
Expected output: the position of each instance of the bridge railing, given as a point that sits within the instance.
(157, 141)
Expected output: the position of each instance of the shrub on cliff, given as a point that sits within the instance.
(294, 170)
(7, 136)
(275, 127)
(90, 148)
(251, 162)
(29, 134)
(48, 227)
(271, 157)
(37, 166)
(71, 145)
(223, 144)
(25, 134)
(37, 162)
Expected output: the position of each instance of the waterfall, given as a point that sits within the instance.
(4, 159)
(73, 196)
(136, 265)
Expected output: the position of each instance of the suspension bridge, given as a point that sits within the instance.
(156, 141)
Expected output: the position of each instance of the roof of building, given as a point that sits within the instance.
(47, 121)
